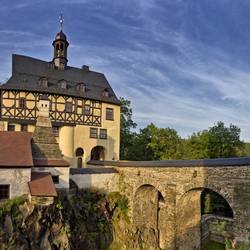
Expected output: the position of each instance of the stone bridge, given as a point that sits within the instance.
(165, 197)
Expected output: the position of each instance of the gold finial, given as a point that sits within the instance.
(61, 19)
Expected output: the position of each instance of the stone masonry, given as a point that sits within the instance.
(165, 200)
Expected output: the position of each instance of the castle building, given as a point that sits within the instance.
(83, 108)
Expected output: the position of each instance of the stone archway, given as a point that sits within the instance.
(146, 216)
(189, 218)
(98, 153)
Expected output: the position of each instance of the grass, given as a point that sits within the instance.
(214, 246)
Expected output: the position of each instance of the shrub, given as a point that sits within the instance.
(8, 205)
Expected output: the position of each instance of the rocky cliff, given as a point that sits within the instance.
(83, 220)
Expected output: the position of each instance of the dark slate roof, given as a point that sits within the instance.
(241, 161)
(26, 72)
(75, 171)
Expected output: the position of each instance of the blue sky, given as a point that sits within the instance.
(184, 64)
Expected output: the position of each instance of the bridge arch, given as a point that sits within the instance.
(189, 215)
(147, 205)
(222, 191)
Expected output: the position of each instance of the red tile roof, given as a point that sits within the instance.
(50, 163)
(15, 149)
(41, 184)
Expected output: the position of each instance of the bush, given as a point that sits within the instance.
(8, 205)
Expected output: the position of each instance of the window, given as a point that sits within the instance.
(68, 107)
(22, 103)
(93, 133)
(109, 114)
(87, 110)
(96, 104)
(79, 152)
(105, 93)
(4, 192)
(11, 127)
(103, 134)
(43, 82)
(81, 87)
(62, 84)
(24, 127)
(55, 179)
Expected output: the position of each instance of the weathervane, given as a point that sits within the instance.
(61, 19)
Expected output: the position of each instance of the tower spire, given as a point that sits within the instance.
(61, 20)
(60, 45)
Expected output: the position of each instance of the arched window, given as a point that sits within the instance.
(79, 152)
(57, 46)
(98, 153)
(79, 155)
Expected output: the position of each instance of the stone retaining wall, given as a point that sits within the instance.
(216, 228)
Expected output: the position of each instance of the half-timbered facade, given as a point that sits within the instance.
(83, 108)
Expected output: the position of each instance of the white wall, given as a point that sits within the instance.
(106, 182)
(63, 173)
(17, 178)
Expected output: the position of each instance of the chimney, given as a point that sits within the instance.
(43, 106)
(85, 68)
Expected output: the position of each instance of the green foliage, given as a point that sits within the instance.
(119, 205)
(66, 228)
(115, 246)
(214, 246)
(7, 206)
(208, 204)
(59, 205)
(127, 125)
(196, 146)
(153, 143)
(224, 141)
(164, 143)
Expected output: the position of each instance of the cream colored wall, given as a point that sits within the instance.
(17, 178)
(66, 142)
(70, 138)
(4, 126)
(111, 144)
(63, 173)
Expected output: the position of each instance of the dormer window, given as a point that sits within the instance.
(81, 87)
(62, 84)
(105, 93)
(43, 82)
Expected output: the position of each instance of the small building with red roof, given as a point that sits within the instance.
(32, 163)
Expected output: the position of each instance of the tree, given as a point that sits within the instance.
(165, 143)
(139, 149)
(224, 141)
(196, 146)
(127, 125)
(216, 142)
